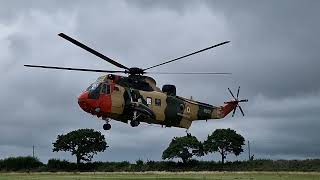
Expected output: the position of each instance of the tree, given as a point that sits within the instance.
(183, 147)
(224, 141)
(83, 143)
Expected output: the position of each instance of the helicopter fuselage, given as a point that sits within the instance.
(108, 99)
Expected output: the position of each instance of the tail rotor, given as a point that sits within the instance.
(237, 101)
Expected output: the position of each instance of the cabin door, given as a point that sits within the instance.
(117, 99)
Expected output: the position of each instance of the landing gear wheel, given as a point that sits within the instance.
(134, 123)
(107, 127)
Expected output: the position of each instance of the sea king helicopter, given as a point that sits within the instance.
(136, 98)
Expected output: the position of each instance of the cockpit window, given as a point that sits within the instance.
(105, 89)
(94, 90)
(92, 86)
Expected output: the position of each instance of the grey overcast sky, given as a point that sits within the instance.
(273, 55)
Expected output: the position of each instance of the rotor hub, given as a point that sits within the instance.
(135, 71)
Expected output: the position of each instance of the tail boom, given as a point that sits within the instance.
(218, 112)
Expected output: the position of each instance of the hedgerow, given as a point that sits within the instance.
(54, 165)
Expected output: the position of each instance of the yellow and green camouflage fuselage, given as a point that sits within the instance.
(119, 97)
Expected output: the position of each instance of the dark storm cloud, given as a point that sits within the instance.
(276, 41)
(273, 55)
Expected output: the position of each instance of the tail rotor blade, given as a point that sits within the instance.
(238, 92)
(232, 94)
(234, 111)
(236, 101)
(243, 100)
(241, 110)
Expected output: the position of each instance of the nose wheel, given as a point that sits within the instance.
(106, 126)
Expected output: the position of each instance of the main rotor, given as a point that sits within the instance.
(130, 71)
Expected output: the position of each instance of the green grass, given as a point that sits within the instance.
(166, 175)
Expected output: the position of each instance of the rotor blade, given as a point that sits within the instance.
(232, 94)
(92, 51)
(243, 100)
(188, 55)
(241, 110)
(72, 69)
(238, 92)
(194, 73)
(234, 111)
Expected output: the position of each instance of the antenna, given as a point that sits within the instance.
(249, 150)
(33, 151)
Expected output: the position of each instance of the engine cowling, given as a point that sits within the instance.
(169, 89)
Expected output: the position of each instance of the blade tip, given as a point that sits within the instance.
(61, 34)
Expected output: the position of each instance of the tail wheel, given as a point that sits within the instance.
(134, 123)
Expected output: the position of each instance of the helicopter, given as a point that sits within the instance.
(136, 98)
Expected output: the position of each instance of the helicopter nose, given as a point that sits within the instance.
(83, 101)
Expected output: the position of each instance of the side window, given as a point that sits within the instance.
(181, 107)
(157, 102)
(149, 100)
(108, 89)
(105, 89)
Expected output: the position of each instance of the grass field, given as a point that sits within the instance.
(166, 175)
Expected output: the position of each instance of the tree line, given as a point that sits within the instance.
(85, 143)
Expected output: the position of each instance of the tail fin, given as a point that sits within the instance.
(228, 107)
